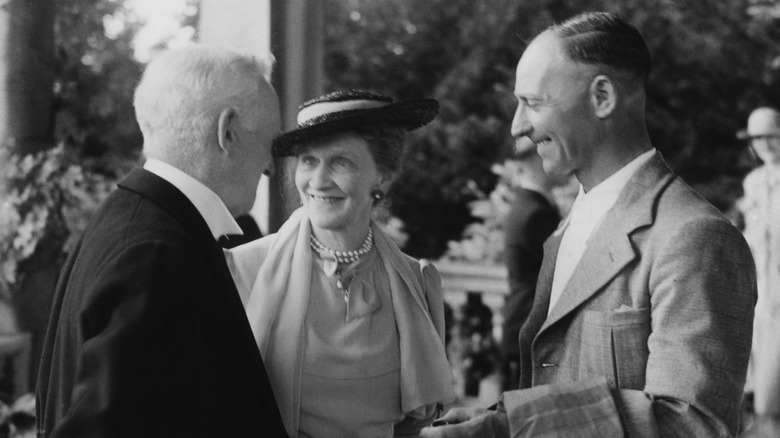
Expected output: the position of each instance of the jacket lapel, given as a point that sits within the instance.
(170, 199)
(541, 303)
(544, 284)
(609, 249)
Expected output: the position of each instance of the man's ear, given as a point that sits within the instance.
(226, 129)
(603, 96)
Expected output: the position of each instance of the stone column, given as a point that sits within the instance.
(297, 39)
(26, 94)
(26, 74)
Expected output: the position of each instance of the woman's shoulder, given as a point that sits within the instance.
(245, 260)
(254, 248)
(424, 269)
(415, 264)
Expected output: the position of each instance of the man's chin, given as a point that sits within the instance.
(553, 169)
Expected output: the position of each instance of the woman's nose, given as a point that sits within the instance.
(320, 177)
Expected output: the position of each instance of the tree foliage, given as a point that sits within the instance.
(94, 82)
(409, 52)
(48, 194)
(713, 61)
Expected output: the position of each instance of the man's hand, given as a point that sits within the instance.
(469, 422)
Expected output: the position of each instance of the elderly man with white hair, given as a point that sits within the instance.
(148, 336)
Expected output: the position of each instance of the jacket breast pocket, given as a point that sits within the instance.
(614, 345)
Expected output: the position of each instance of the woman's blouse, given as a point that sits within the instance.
(350, 382)
(392, 294)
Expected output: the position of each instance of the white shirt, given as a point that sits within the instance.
(208, 204)
(586, 214)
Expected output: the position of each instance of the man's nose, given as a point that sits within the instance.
(520, 124)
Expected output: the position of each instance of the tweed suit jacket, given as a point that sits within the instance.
(651, 336)
(148, 336)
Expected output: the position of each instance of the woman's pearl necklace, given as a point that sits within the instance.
(345, 257)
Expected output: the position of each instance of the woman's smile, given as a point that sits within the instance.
(334, 180)
(327, 200)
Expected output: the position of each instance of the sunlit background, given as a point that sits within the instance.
(161, 24)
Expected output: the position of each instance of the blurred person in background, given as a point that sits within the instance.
(760, 208)
(351, 329)
(643, 315)
(148, 336)
(531, 218)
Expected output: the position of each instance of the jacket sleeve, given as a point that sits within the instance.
(578, 409)
(702, 295)
(140, 341)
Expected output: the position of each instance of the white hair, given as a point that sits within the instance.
(182, 92)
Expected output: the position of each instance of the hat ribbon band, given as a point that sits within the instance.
(322, 108)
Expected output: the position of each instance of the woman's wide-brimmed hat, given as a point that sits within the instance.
(347, 110)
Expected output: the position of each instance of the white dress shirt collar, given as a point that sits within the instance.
(587, 212)
(208, 204)
(618, 180)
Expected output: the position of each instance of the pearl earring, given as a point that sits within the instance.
(378, 195)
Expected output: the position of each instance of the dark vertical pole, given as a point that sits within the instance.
(26, 75)
(297, 44)
(26, 94)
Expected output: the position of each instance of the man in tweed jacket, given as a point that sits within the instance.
(642, 320)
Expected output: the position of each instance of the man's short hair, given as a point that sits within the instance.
(605, 39)
(183, 90)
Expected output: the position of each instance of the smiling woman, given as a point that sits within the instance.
(334, 181)
(368, 359)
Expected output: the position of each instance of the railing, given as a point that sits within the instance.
(474, 343)
(459, 279)
(465, 277)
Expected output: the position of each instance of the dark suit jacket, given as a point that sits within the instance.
(651, 336)
(148, 336)
(528, 224)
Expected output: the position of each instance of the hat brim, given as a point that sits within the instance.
(408, 115)
(746, 135)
